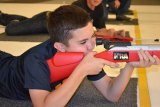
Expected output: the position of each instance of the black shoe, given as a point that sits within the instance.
(123, 18)
(129, 12)
(2, 21)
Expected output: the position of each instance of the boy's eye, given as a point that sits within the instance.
(94, 35)
(83, 42)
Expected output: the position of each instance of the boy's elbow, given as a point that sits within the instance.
(113, 99)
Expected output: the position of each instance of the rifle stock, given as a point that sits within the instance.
(63, 63)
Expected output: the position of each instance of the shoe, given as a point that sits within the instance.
(123, 18)
(2, 21)
(129, 12)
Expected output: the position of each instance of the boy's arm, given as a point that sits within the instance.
(113, 89)
(61, 96)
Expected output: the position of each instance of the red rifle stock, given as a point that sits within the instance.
(63, 63)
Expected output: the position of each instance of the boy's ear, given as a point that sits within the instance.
(59, 46)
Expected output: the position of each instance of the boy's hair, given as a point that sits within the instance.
(64, 20)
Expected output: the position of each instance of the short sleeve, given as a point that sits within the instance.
(37, 75)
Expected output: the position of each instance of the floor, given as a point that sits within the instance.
(148, 30)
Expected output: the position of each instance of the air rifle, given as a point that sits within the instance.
(62, 64)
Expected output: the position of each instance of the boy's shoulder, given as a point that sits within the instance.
(44, 50)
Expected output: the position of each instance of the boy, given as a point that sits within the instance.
(70, 28)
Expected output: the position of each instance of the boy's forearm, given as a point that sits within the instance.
(61, 96)
(118, 84)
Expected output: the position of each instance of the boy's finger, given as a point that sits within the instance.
(157, 59)
(151, 59)
(140, 56)
(144, 55)
(111, 64)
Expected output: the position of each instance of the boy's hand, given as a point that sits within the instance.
(91, 65)
(146, 60)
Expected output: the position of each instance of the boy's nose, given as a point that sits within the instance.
(91, 45)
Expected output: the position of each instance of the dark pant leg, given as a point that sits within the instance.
(5, 19)
(35, 25)
(105, 8)
(124, 7)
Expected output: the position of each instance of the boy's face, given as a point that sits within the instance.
(83, 40)
(94, 2)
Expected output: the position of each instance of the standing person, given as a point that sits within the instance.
(71, 30)
(37, 24)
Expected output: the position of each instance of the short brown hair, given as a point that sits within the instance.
(65, 19)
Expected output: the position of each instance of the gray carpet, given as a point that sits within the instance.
(88, 96)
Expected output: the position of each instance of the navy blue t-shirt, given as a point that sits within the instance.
(28, 71)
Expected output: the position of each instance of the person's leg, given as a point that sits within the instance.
(104, 2)
(35, 25)
(120, 12)
(5, 19)
(111, 6)
(124, 7)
